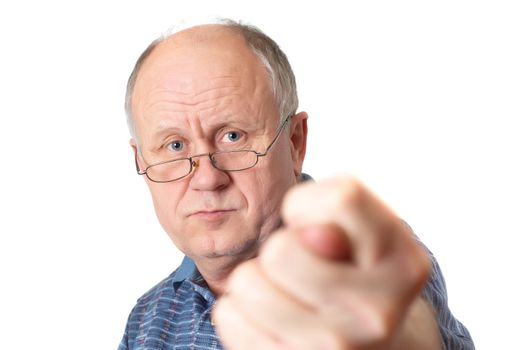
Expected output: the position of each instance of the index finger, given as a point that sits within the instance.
(368, 223)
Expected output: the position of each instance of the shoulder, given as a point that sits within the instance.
(150, 309)
(453, 333)
(167, 287)
(164, 288)
(162, 294)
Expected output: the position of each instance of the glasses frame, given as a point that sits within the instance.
(194, 164)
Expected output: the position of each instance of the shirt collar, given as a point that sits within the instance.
(188, 273)
(185, 270)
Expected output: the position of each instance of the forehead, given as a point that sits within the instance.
(199, 60)
(199, 49)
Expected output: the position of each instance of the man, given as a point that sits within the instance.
(216, 135)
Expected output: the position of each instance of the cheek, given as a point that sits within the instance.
(166, 198)
(267, 185)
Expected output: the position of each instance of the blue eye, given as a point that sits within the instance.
(232, 136)
(176, 146)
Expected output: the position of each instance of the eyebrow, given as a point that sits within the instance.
(165, 129)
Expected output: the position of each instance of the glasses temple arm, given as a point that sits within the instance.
(280, 129)
(139, 172)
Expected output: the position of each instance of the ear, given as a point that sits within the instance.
(140, 164)
(297, 140)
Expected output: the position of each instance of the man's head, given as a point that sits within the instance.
(214, 88)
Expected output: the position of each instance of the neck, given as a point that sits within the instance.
(216, 272)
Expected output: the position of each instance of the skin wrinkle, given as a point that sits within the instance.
(169, 103)
(215, 111)
(158, 105)
(174, 93)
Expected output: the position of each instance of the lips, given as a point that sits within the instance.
(214, 214)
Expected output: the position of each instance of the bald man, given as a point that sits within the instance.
(269, 263)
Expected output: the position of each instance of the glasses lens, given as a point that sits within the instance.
(169, 171)
(235, 160)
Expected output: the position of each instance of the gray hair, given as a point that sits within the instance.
(282, 78)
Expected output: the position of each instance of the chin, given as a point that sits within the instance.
(246, 249)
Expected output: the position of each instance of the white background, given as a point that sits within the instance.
(423, 101)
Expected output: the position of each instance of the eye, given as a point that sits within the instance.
(232, 136)
(176, 146)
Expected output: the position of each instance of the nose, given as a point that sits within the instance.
(205, 177)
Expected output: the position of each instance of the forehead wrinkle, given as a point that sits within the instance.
(174, 97)
(196, 85)
(193, 92)
(169, 108)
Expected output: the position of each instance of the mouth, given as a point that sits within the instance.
(211, 215)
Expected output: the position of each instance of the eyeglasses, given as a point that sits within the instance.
(176, 169)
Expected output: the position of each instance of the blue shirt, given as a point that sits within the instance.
(175, 314)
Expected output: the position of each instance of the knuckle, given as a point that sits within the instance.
(334, 197)
(416, 267)
(344, 192)
(421, 266)
(420, 277)
(382, 325)
(351, 190)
